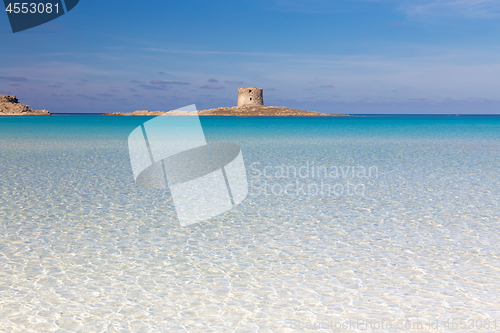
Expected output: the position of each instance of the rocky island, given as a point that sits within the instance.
(10, 106)
(250, 104)
(235, 111)
(263, 111)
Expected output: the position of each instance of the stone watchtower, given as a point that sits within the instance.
(250, 96)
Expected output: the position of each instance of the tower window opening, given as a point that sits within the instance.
(250, 98)
(249, 91)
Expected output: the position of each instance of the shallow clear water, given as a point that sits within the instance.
(411, 237)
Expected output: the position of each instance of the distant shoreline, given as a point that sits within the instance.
(242, 111)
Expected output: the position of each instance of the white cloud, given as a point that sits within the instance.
(461, 8)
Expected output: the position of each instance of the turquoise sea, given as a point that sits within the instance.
(352, 224)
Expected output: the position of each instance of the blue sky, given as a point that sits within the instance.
(347, 56)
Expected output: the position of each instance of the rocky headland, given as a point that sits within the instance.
(10, 106)
(236, 111)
